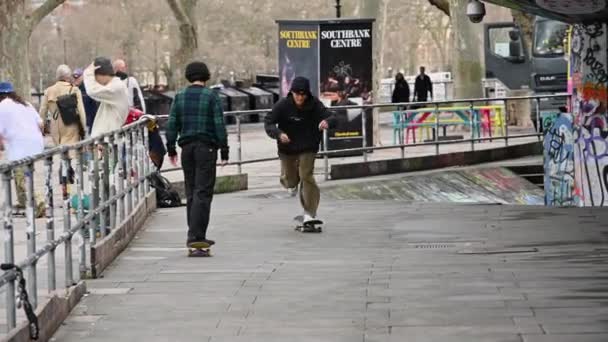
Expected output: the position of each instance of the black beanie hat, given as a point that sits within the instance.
(105, 66)
(300, 84)
(197, 71)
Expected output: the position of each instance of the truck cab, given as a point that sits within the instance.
(543, 70)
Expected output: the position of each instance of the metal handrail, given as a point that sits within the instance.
(127, 145)
(433, 106)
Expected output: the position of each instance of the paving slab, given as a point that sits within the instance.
(382, 270)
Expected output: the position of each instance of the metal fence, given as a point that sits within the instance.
(403, 111)
(117, 169)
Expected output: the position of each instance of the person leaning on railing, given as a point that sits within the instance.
(20, 137)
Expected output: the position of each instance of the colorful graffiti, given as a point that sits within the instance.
(589, 74)
(559, 160)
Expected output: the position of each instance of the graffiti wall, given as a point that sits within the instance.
(589, 75)
(559, 160)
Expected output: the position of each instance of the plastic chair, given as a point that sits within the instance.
(486, 121)
(397, 127)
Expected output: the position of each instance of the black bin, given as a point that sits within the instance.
(228, 120)
(237, 101)
(258, 99)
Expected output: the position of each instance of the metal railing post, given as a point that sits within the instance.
(402, 115)
(67, 224)
(119, 175)
(239, 151)
(50, 222)
(364, 133)
(94, 184)
(506, 123)
(538, 121)
(80, 212)
(437, 129)
(146, 135)
(325, 156)
(133, 174)
(141, 147)
(105, 184)
(128, 172)
(30, 217)
(473, 125)
(111, 180)
(135, 155)
(9, 255)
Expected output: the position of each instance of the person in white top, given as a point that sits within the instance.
(136, 97)
(20, 137)
(110, 92)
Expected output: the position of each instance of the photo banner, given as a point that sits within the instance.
(298, 55)
(346, 69)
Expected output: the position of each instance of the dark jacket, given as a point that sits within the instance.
(422, 88)
(90, 107)
(401, 93)
(300, 125)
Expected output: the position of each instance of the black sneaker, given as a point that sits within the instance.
(199, 244)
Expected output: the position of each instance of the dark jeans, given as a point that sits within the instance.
(198, 163)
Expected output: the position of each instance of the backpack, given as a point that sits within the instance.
(136, 101)
(67, 106)
(166, 195)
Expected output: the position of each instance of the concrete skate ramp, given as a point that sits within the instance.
(470, 185)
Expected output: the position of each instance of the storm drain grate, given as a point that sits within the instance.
(432, 245)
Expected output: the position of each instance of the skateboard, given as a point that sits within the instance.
(199, 249)
(313, 226)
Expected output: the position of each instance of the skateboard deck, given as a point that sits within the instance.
(314, 226)
(199, 250)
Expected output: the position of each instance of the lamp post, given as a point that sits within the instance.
(338, 8)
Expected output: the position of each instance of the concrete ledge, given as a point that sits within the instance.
(106, 250)
(223, 184)
(389, 166)
(51, 314)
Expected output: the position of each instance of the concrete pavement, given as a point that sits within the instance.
(381, 271)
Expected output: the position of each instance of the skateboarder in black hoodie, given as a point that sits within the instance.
(297, 123)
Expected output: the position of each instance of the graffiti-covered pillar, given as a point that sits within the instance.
(589, 76)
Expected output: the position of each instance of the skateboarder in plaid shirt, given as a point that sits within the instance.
(297, 123)
(197, 118)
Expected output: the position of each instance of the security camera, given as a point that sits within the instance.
(476, 10)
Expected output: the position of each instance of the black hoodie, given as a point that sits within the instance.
(300, 124)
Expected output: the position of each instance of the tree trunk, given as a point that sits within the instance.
(525, 21)
(14, 46)
(412, 59)
(377, 9)
(16, 25)
(466, 62)
(183, 11)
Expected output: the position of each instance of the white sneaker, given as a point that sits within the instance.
(307, 218)
(292, 191)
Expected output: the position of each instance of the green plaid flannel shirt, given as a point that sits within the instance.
(197, 115)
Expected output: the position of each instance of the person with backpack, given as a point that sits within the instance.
(197, 118)
(62, 105)
(90, 105)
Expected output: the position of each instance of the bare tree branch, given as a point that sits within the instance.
(178, 12)
(442, 5)
(45, 9)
